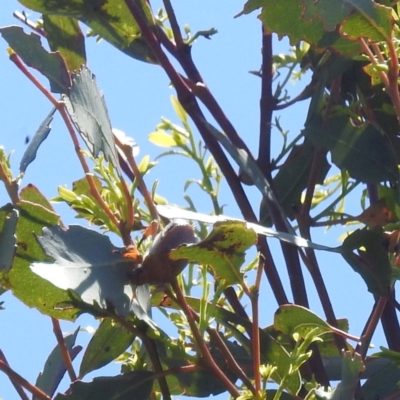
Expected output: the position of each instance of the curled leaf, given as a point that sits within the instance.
(157, 266)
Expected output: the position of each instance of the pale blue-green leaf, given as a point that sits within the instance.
(88, 263)
(33, 146)
(133, 385)
(54, 368)
(171, 212)
(88, 110)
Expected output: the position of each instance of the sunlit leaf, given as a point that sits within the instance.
(54, 368)
(32, 53)
(34, 144)
(88, 110)
(291, 319)
(372, 21)
(64, 35)
(35, 212)
(110, 19)
(162, 138)
(108, 342)
(224, 249)
(86, 262)
(133, 385)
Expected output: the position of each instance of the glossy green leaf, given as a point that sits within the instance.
(88, 110)
(364, 151)
(372, 261)
(8, 240)
(133, 385)
(372, 21)
(162, 138)
(86, 262)
(290, 319)
(110, 19)
(224, 249)
(34, 144)
(108, 342)
(32, 53)
(35, 212)
(54, 368)
(65, 35)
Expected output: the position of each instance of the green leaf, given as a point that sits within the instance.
(110, 19)
(162, 138)
(88, 110)
(352, 365)
(35, 212)
(109, 341)
(364, 151)
(180, 111)
(331, 13)
(86, 262)
(8, 240)
(290, 319)
(372, 21)
(252, 5)
(383, 383)
(65, 35)
(133, 385)
(298, 24)
(32, 53)
(372, 263)
(54, 368)
(224, 249)
(33, 146)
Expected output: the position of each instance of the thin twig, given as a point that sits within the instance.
(206, 355)
(15, 377)
(174, 24)
(61, 108)
(152, 352)
(63, 349)
(16, 385)
(127, 150)
(370, 327)
(267, 105)
(32, 25)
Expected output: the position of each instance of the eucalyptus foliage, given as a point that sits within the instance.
(192, 267)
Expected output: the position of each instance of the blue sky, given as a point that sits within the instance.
(137, 95)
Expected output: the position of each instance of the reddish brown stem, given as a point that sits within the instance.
(63, 349)
(206, 355)
(61, 108)
(14, 377)
(16, 385)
